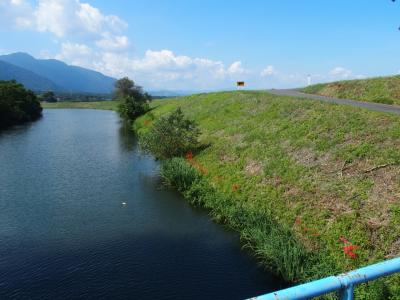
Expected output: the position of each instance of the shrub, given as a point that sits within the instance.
(176, 172)
(171, 136)
(130, 108)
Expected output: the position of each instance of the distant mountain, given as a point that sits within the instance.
(29, 79)
(64, 77)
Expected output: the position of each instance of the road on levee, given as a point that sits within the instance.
(369, 105)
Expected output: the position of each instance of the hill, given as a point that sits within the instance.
(327, 175)
(380, 90)
(29, 79)
(65, 78)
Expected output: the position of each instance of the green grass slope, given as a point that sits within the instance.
(324, 171)
(380, 90)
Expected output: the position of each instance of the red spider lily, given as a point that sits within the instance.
(195, 164)
(235, 187)
(189, 156)
(298, 221)
(352, 255)
(349, 248)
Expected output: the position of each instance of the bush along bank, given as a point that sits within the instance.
(279, 245)
(275, 246)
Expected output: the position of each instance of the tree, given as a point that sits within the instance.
(17, 104)
(123, 87)
(49, 97)
(133, 101)
(171, 136)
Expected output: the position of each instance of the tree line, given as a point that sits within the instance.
(17, 104)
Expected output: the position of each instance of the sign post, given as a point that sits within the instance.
(239, 84)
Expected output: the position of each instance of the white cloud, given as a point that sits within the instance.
(162, 60)
(90, 38)
(340, 72)
(68, 20)
(156, 69)
(113, 43)
(76, 54)
(236, 68)
(268, 71)
(71, 17)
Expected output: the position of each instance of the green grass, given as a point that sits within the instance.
(380, 90)
(319, 170)
(109, 105)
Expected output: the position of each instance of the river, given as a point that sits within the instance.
(65, 232)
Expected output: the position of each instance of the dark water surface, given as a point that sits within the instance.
(64, 233)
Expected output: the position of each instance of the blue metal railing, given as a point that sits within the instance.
(343, 283)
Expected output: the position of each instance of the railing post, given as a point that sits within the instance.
(347, 293)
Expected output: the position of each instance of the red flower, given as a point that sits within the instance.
(349, 251)
(189, 156)
(235, 187)
(352, 255)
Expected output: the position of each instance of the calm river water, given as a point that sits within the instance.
(65, 234)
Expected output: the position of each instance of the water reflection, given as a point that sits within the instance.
(127, 137)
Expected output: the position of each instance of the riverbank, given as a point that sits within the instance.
(329, 174)
(107, 105)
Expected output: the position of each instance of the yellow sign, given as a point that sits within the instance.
(240, 83)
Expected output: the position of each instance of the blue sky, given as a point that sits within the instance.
(208, 45)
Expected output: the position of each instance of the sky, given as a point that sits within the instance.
(190, 45)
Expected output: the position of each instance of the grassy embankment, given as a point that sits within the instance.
(313, 171)
(109, 105)
(380, 90)
(320, 172)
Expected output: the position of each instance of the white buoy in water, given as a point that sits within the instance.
(123, 203)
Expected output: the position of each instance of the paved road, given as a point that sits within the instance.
(373, 106)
